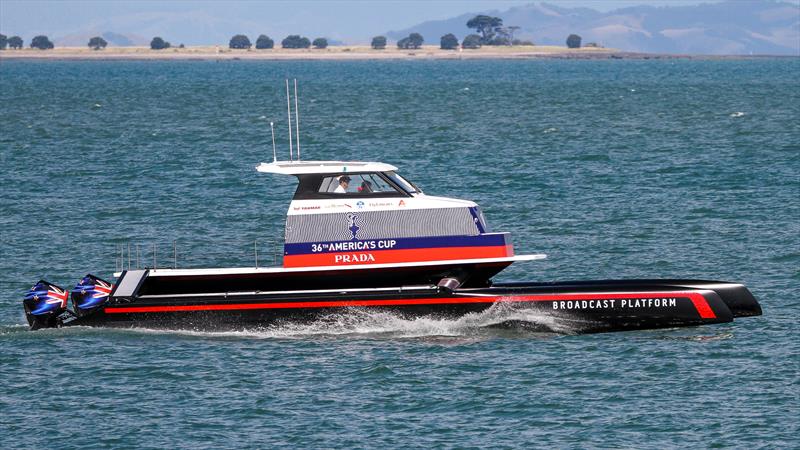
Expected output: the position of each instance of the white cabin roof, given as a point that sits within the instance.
(305, 167)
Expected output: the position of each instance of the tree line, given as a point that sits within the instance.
(43, 42)
(241, 41)
(488, 31)
(15, 42)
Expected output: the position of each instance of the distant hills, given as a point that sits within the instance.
(114, 39)
(733, 27)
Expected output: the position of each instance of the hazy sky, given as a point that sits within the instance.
(204, 22)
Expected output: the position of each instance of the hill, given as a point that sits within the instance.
(733, 27)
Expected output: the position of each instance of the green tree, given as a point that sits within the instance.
(3, 41)
(472, 41)
(320, 43)
(159, 44)
(573, 41)
(97, 43)
(412, 41)
(264, 41)
(487, 26)
(449, 42)
(295, 41)
(415, 40)
(41, 42)
(15, 42)
(379, 42)
(240, 41)
(505, 35)
(499, 40)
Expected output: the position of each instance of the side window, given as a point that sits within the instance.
(372, 182)
(402, 182)
(340, 184)
(363, 183)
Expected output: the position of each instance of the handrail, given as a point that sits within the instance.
(130, 254)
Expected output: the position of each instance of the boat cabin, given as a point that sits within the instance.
(355, 213)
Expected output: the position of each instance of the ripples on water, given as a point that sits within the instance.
(614, 168)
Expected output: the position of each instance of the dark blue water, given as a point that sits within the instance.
(616, 169)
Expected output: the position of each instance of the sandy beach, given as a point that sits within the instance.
(330, 53)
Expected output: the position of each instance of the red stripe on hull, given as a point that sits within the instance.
(397, 256)
(697, 299)
(703, 308)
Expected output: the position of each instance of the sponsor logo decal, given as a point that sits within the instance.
(623, 303)
(402, 203)
(360, 205)
(354, 258)
(383, 244)
(338, 205)
(351, 220)
(380, 204)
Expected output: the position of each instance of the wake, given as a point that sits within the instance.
(501, 318)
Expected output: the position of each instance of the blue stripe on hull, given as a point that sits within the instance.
(482, 240)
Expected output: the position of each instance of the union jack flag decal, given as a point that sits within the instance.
(58, 295)
(45, 297)
(91, 292)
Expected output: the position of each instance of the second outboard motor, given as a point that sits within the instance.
(89, 294)
(43, 304)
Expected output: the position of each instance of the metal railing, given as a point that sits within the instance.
(183, 254)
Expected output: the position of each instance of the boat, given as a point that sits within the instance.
(358, 235)
(361, 237)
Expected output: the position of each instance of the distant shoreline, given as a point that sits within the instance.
(344, 53)
(330, 53)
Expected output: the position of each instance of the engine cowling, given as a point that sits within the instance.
(89, 294)
(43, 303)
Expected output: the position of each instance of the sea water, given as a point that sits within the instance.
(615, 169)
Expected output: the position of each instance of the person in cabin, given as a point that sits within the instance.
(344, 182)
(366, 187)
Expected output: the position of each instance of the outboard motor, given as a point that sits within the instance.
(43, 304)
(89, 294)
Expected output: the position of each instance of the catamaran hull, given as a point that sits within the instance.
(576, 307)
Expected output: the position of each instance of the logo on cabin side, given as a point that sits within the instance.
(354, 258)
(351, 220)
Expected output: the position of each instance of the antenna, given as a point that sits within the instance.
(274, 152)
(297, 119)
(289, 113)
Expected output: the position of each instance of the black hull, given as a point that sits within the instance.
(589, 306)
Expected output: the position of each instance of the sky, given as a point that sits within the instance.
(199, 22)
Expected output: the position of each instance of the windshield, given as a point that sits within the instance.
(407, 186)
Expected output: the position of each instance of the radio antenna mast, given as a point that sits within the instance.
(297, 119)
(289, 113)
(274, 151)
